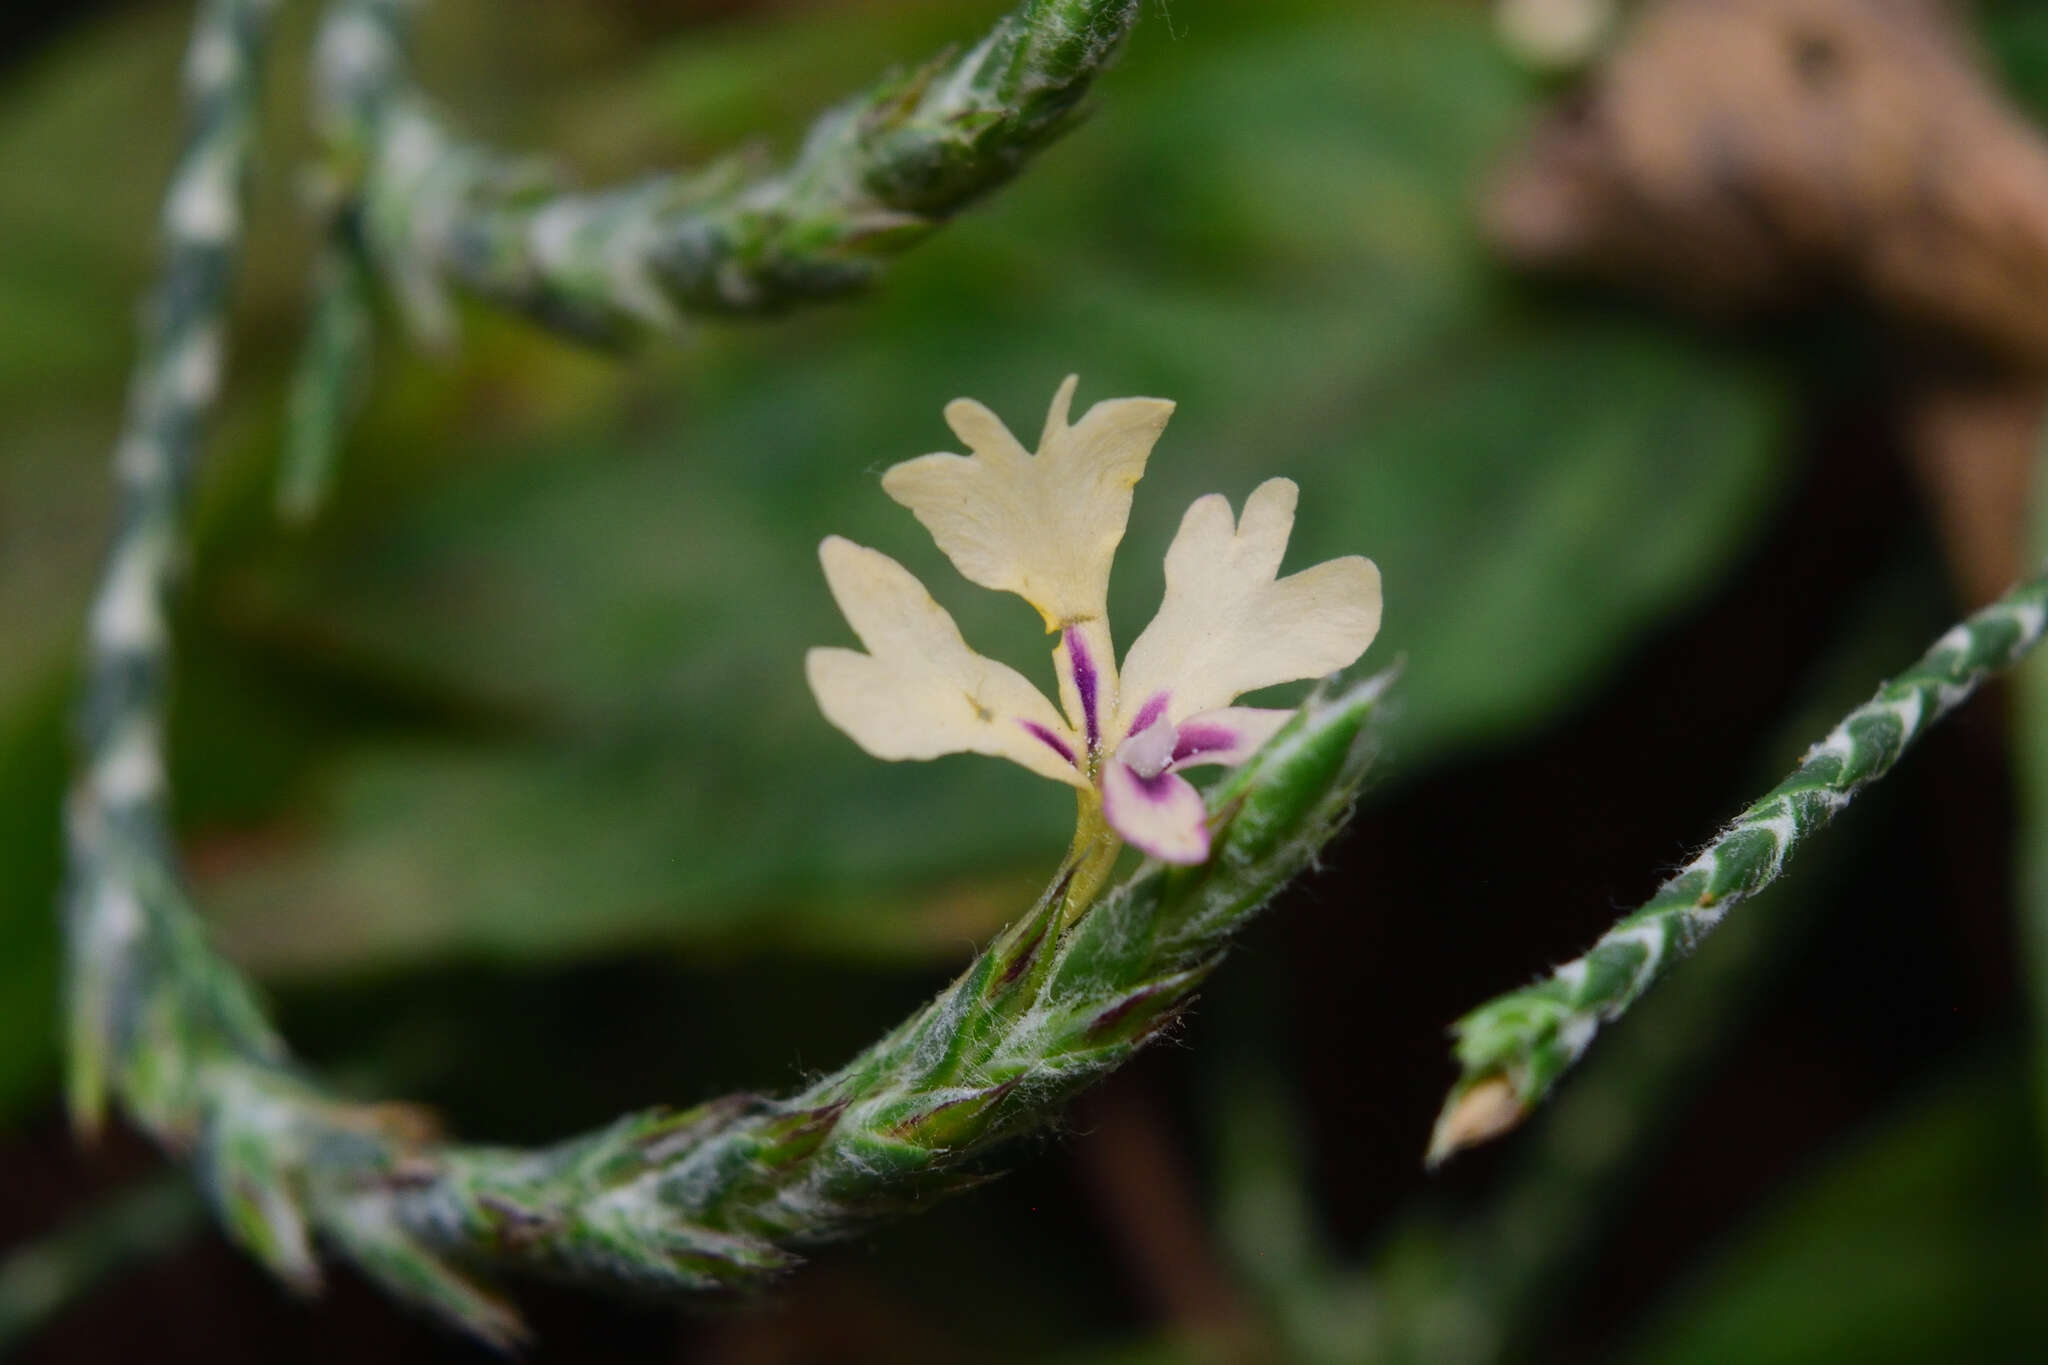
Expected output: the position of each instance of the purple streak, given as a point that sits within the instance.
(1158, 788)
(1202, 739)
(1051, 740)
(1084, 683)
(1162, 815)
(1149, 712)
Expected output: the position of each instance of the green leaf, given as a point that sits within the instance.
(31, 773)
(1269, 220)
(533, 684)
(1923, 1243)
(2015, 34)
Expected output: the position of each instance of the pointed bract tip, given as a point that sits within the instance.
(1335, 693)
(1476, 1114)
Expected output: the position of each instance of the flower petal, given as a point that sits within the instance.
(1163, 816)
(1084, 663)
(920, 691)
(1228, 626)
(1229, 735)
(1043, 527)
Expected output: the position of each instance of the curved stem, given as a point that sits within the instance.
(1514, 1048)
(720, 1196)
(410, 205)
(874, 176)
(1093, 854)
(118, 813)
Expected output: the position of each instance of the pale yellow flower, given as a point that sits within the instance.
(1046, 526)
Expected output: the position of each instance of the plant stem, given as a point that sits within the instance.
(412, 206)
(874, 176)
(1092, 855)
(1514, 1048)
(721, 1197)
(116, 946)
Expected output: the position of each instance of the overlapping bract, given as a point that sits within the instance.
(1045, 526)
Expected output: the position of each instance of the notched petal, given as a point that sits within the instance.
(1043, 526)
(919, 691)
(1229, 625)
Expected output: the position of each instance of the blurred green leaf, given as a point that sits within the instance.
(1925, 1243)
(42, 1279)
(31, 772)
(84, 174)
(2029, 759)
(2015, 33)
(1268, 221)
(71, 256)
(534, 683)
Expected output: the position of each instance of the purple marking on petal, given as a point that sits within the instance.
(1202, 739)
(1162, 816)
(1149, 712)
(1053, 741)
(1158, 788)
(1084, 683)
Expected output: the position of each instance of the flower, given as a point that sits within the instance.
(1045, 526)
